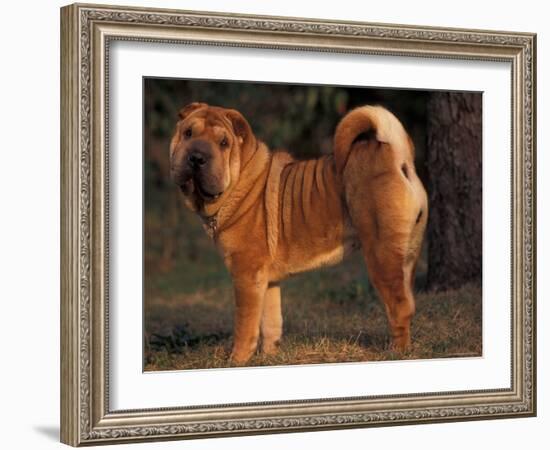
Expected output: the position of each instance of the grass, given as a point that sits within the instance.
(331, 315)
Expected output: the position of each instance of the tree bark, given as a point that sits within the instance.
(454, 151)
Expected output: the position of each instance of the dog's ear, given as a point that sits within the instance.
(186, 110)
(241, 127)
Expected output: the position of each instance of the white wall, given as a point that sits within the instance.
(29, 225)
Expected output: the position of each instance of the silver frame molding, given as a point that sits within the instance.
(86, 31)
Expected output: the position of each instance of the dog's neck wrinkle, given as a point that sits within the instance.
(247, 189)
(279, 160)
(250, 147)
(210, 211)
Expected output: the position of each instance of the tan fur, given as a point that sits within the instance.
(277, 216)
(278, 161)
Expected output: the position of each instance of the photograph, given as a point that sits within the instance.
(275, 224)
(288, 224)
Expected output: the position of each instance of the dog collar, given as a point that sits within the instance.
(210, 225)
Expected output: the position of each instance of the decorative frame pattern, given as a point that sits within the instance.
(86, 31)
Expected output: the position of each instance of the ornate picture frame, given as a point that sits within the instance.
(87, 32)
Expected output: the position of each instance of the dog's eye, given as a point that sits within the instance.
(188, 133)
(224, 142)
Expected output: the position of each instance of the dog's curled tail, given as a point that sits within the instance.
(364, 123)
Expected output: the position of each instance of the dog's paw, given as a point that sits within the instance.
(271, 348)
(239, 358)
(401, 344)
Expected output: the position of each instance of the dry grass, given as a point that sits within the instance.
(331, 315)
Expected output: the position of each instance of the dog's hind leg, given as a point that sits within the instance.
(391, 275)
(386, 210)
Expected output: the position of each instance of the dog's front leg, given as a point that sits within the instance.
(272, 320)
(250, 293)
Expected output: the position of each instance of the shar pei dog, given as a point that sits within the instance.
(272, 216)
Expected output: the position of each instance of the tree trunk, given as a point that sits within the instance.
(453, 164)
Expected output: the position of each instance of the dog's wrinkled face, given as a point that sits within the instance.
(205, 152)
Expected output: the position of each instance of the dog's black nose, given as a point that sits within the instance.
(196, 159)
